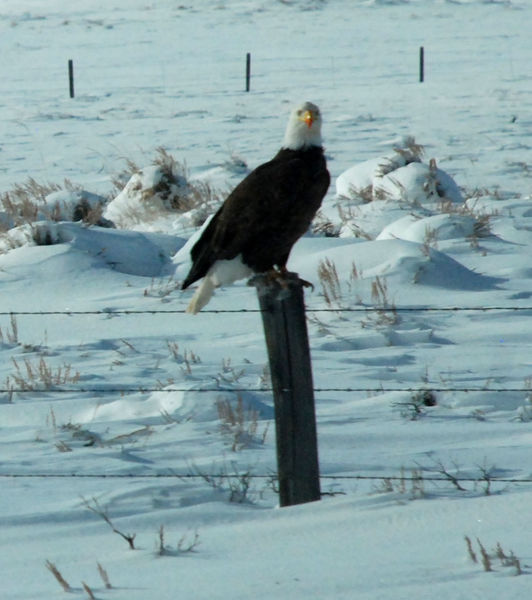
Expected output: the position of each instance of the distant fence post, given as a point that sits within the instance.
(285, 329)
(248, 72)
(421, 64)
(71, 77)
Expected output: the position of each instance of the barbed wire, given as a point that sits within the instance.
(354, 309)
(272, 475)
(118, 389)
(144, 390)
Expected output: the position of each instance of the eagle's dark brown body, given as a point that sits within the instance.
(265, 214)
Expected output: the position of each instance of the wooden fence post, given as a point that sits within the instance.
(248, 72)
(71, 77)
(285, 329)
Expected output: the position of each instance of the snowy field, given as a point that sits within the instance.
(119, 411)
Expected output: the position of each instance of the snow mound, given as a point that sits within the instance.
(372, 198)
(149, 195)
(416, 183)
(406, 261)
(130, 252)
(357, 182)
(71, 205)
(202, 407)
(163, 198)
(31, 202)
(434, 227)
(31, 216)
(398, 175)
(195, 405)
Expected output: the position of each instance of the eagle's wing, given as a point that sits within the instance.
(270, 200)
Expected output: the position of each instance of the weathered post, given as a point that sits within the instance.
(421, 64)
(248, 72)
(285, 329)
(71, 77)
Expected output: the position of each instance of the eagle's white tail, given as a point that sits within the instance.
(202, 296)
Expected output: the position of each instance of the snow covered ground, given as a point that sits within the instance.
(113, 409)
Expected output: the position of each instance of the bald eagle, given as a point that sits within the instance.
(262, 218)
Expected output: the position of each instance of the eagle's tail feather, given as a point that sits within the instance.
(202, 295)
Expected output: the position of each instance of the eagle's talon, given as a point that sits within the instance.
(306, 284)
(283, 277)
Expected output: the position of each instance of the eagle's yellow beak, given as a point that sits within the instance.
(308, 118)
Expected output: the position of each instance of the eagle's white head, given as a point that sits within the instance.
(304, 127)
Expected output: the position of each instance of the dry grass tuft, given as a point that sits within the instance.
(385, 314)
(57, 574)
(408, 153)
(487, 558)
(239, 423)
(238, 484)
(363, 194)
(90, 593)
(10, 334)
(185, 545)
(101, 512)
(39, 375)
(26, 203)
(330, 283)
(411, 150)
(412, 484)
(161, 287)
(508, 560)
(470, 551)
(324, 226)
(482, 225)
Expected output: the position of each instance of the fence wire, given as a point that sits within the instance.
(189, 476)
(118, 389)
(185, 476)
(354, 309)
(149, 390)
